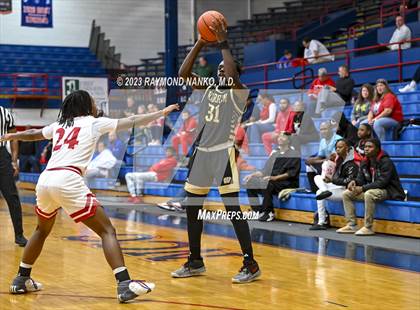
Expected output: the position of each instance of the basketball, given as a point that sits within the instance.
(206, 19)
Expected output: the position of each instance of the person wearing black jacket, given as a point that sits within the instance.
(280, 171)
(377, 180)
(339, 95)
(333, 187)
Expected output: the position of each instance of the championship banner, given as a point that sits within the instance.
(37, 13)
(5, 6)
(96, 87)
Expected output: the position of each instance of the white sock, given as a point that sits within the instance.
(22, 264)
(119, 269)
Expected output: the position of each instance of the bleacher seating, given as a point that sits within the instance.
(51, 60)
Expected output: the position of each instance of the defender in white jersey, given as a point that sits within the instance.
(61, 185)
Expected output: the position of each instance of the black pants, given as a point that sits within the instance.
(9, 190)
(267, 192)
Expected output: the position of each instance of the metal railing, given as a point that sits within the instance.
(344, 55)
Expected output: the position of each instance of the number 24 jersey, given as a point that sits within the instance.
(75, 145)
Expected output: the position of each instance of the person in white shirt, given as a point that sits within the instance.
(266, 121)
(401, 33)
(316, 52)
(101, 164)
(61, 185)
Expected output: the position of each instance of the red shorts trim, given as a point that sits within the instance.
(88, 211)
(69, 168)
(45, 215)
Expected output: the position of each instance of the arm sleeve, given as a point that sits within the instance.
(294, 168)
(347, 89)
(313, 46)
(321, 150)
(271, 115)
(350, 173)
(104, 125)
(48, 131)
(383, 180)
(388, 102)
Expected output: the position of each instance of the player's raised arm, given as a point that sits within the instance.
(220, 30)
(144, 119)
(27, 135)
(185, 71)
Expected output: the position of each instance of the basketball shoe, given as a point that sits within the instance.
(130, 289)
(22, 285)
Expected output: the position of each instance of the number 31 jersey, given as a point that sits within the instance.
(75, 145)
(220, 112)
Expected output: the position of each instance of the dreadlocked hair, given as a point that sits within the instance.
(78, 103)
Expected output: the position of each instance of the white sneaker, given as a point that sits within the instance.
(408, 88)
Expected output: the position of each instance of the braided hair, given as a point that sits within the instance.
(78, 103)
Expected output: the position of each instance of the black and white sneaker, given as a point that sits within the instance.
(249, 272)
(266, 217)
(23, 285)
(130, 289)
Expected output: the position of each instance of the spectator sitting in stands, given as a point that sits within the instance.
(364, 133)
(281, 171)
(266, 121)
(27, 156)
(402, 33)
(46, 154)
(203, 69)
(301, 126)
(377, 180)
(285, 60)
(131, 107)
(102, 163)
(412, 86)
(116, 145)
(362, 105)
(159, 172)
(316, 52)
(250, 115)
(155, 127)
(339, 95)
(344, 128)
(316, 87)
(269, 138)
(326, 148)
(185, 136)
(332, 187)
(386, 111)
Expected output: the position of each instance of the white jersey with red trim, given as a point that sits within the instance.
(74, 146)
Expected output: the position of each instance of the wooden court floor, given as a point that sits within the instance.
(75, 275)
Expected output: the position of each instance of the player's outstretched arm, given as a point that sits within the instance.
(220, 31)
(144, 119)
(27, 135)
(185, 71)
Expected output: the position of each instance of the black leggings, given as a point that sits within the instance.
(195, 227)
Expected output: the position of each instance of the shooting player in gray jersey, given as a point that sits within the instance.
(214, 158)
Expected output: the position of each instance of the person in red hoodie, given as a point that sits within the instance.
(185, 136)
(269, 138)
(158, 172)
(386, 112)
